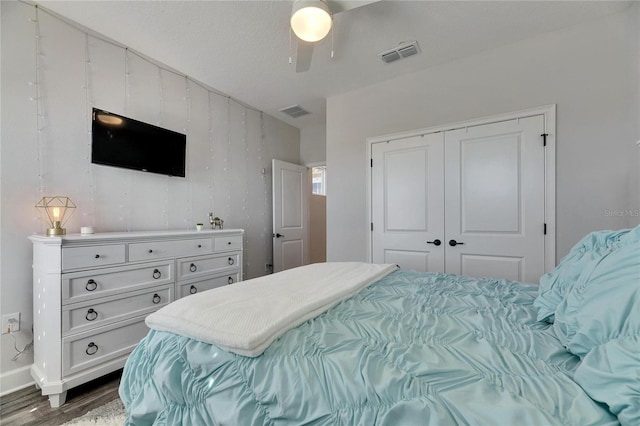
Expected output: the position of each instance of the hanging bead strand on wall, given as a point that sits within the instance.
(160, 113)
(210, 166)
(247, 179)
(124, 206)
(166, 202)
(188, 220)
(226, 159)
(266, 184)
(41, 122)
(89, 101)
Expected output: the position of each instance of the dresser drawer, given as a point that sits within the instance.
(107, 310)
(92, 256)
(227, 243)
(198, 286)
(91, 348)
(166, 249)
(198, 266)
(82, 286)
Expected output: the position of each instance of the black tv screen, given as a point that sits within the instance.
(131, 144)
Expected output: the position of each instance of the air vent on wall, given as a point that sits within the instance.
(294, 111)
(404, 50)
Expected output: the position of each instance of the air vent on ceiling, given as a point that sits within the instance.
(404, 50)
(294, 111)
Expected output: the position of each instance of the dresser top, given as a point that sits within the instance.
(73, 239)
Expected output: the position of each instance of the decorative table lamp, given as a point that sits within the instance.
(56, 211)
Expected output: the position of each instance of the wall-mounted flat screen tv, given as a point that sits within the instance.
(131, 144)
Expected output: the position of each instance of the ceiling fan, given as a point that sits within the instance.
(311, 21)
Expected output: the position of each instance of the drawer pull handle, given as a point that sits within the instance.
(193, 289)
(92, 348)
(97, 256)
(91, 315)
(230, 280)
(91, 283)
(150, 251)
(231, 261)
(156, 274)
(156, 299)
(193, 267)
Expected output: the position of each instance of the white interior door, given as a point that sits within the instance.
(290, 215)
(408, 202)
(495, 200)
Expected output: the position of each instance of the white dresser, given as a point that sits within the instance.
(91, 294)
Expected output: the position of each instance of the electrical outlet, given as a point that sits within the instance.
(11, 323)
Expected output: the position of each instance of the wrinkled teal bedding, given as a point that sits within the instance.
(412, 349)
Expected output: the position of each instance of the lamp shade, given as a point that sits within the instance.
(311, 20)
(56, 211)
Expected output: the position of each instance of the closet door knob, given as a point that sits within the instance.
(435, 242)
(454, 243)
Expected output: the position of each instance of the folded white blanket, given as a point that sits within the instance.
(245, 318)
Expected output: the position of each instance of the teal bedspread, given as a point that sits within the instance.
(412, 349)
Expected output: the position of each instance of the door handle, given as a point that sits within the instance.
(454, 243)
(435, 242)
(278, 235)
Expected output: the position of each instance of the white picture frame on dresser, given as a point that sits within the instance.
(91, 294)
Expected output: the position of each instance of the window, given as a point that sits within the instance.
(319, 180)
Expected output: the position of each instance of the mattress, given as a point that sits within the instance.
(410, 349)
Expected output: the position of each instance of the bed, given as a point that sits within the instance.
(399, 347)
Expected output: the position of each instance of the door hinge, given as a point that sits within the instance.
(372, 162)
(545, 229)
(544, 138)
(371, 226)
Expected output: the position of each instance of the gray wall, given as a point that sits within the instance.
(590, 71)
(313, 145)
(46, 151)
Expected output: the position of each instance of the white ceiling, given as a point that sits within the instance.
(242, 48)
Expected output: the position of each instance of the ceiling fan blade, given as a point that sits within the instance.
(337, 6)
(304, 52)
(304, 49)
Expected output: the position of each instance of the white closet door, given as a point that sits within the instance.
(408, 202)
(494, 186)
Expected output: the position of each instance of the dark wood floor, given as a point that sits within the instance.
(27, 407)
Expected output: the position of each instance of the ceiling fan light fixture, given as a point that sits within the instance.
(311, 20)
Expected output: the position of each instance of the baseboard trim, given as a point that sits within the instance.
(15, 380)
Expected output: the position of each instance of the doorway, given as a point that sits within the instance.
(318, 213)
